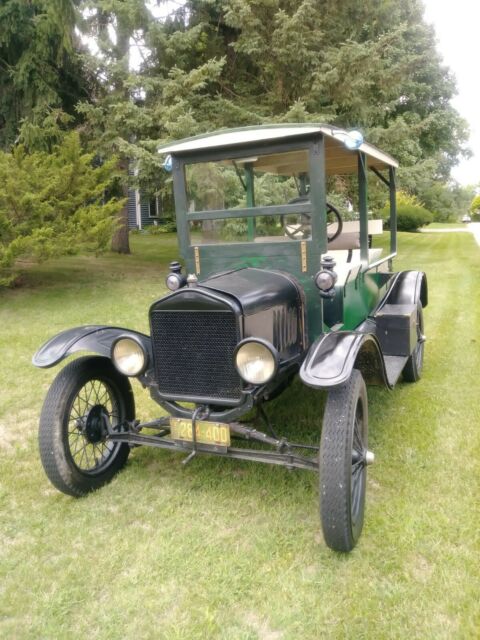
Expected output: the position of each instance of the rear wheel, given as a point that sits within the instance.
(343, 460)
(87, 398)
(414, 366)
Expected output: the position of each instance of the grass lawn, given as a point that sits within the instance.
(445, 225)
(232, 550)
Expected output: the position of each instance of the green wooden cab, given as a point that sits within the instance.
(306, 156)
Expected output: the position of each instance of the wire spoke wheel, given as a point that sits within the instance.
(88, 399)
(414, 365)
(94, 411)
(343, 464)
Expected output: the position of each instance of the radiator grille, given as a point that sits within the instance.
(193, 353)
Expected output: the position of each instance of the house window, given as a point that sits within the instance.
(155, 209)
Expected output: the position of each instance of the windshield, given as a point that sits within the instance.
(266, 183)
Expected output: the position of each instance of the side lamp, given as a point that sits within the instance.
(326, 278)
(175, 279)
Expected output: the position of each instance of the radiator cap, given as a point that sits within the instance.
(192, 280)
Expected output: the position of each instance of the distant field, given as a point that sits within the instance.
(230, 550)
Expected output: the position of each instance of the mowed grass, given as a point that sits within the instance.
(232, 550)
(446, 225)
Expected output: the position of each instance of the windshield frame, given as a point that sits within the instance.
(314, 246)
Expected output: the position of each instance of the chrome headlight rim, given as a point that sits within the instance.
(269, 347)
(179, 279)
(138, 343)
(328, 273)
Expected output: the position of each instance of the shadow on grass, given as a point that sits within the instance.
(297, 415)
(149, 254)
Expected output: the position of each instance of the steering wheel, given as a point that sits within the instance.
(302, 229)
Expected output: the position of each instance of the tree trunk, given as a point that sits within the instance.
(120, 239)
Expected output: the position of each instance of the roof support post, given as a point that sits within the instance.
(318, 198)
(363, 205)
(393, 211)
(250, 188)
(181, 208)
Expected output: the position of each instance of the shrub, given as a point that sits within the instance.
(411, 217)
(411, 214)
(167, 226)
(475, 208)
(52, 204)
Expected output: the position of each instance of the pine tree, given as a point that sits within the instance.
(40, 63)
(135, 110)
(370, 65)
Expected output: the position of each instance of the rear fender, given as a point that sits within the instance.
(331, 359)
(96, 338)
(408, 287)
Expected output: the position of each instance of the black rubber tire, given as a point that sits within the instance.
(412, 370)
(55, 453)
(342, 516)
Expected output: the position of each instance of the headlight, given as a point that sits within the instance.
(128, 356)
(256, 361)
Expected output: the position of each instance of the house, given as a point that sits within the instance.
(145, 211)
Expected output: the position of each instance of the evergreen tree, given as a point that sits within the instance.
(40, 64)
(111, 24)
(224, 63)
(370, 65)
(134, 111)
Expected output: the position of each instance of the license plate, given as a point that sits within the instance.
(214, 433)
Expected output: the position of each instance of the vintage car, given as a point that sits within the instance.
(275, 283)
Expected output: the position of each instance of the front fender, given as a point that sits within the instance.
(96, 338)
(331, 359)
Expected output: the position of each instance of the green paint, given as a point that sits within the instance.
(250, 188)
(363, 206)
(393, 211)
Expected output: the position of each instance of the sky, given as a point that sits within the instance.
(456, 25)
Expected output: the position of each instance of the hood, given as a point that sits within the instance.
(256, 290)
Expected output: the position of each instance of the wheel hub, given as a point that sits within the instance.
(365, 457)
(95, 429)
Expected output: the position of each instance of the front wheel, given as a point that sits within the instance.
(87, 399)
(343, 460)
